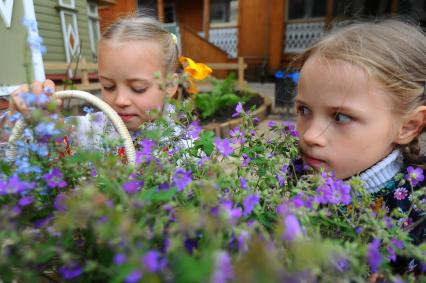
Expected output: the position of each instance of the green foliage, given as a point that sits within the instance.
(222, 95)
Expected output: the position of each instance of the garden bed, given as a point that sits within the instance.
(223, 121)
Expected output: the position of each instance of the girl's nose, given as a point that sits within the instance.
(122, 99)
(315, 134)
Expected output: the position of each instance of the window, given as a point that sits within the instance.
(223, 11)
(299, 9)
(169, 13)
(94, 30)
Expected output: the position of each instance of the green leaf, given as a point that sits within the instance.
(205, 142)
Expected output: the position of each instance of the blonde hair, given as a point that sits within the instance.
(145, 28)
(390, 51)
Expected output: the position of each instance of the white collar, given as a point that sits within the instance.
(379, 174)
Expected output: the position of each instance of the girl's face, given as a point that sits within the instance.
(126, 74)
(344, 119)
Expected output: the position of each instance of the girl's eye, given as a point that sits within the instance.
(108, 88)
(139, 90)
(303, 111)
(342, 118)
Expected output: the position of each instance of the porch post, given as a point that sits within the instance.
(329, 15)
(276, 34)
(160, 10)
(394, 7)
(206, 18)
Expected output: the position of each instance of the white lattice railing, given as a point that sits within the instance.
(226, 38)
(298, 36)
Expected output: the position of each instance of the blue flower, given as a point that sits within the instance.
(88, 109)
(71, 271)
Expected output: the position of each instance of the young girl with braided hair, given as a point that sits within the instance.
(361, 108)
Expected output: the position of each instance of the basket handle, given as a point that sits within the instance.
(88, 97)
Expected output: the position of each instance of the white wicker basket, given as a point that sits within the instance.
(88, 97)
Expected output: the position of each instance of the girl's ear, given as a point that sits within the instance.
(412, 125)
(173, 86)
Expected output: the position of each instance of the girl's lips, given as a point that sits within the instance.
(126, 117)
(314, 162)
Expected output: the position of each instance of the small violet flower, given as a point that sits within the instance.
(373, 255)
(71, 271)
(54, 178)
(249, 203)
(182, 178)
(400, 193)
(223, 147)
(133, 277)
(223, 270)
(238, 110)
(292, 228)
(414, 175)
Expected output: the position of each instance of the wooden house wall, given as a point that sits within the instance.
(110, 13)
(190, 13)
(49, 25)
(253, 34)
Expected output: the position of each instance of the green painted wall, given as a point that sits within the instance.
(13, 49)
(49, 24)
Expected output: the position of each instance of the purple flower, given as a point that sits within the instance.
(132, 186)
(249, 203)
(292, 228)
(120, 259)
(54, 178)
(24, 201)
(243, 183)
(14, 186)
(333, 191)
(400, 193)
(298, 200)
(272, 124)
(59, 203)
(238, 110)
(237, 136)
(374, 256)
(246, 160)
(223, 271)
(182, 178)
(222, 146)
(147, 148)
(152, 261)
(414, 175)
(232, 213)
(193, 131)
(133, 277)
(243, 238)
(70, 271)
